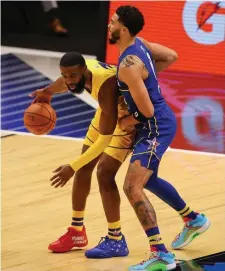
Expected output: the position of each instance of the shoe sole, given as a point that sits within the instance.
(159, 267)
(194, 235)
(60, 251)
(102, 256)
(171, 266)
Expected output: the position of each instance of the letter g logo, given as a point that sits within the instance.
(199, 14)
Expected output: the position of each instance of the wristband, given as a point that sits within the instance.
(139, 116)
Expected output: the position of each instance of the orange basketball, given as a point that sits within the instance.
(40, 118)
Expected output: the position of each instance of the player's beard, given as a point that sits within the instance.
(79, 86)
(115, 36)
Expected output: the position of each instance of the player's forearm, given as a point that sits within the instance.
(161, 65)
(57, 86)
(107, 123)
(93, 152)
(160, 52)
(142, 100)
(106, 128)
(162, 55)
(132, 77)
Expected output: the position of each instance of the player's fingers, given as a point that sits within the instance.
(59, 183)
(34, 101)
(55, 177)
(40, 100)
(58, 180)
(57, 169)
(55, 180)
(63, 183)
(33, 94)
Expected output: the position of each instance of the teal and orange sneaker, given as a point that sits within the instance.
(158, 261)
(191, 230)
(108, 248)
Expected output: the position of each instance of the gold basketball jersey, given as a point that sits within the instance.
(100, 73)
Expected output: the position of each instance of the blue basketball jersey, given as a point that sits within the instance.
(151, 82)
(155, 134)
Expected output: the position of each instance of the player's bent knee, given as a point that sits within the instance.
(83, 176)
(106, 176)
(136, 178)
(132, 188)
(107, 167)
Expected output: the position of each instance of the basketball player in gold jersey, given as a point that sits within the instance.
(103, 137)
(99, 79)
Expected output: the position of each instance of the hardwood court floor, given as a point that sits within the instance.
(35, 214)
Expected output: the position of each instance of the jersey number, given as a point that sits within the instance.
(153, 69)
(151, 64)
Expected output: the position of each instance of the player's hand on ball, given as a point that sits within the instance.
(41, 96)
(62, 176)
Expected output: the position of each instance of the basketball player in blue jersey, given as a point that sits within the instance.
(156, 127)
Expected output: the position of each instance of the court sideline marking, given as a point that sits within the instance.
(7, 133)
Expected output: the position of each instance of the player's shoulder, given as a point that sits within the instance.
(108, 90)
(100, 67)
(131, 61)
(91, 62)
(93, 66)
(142, 40)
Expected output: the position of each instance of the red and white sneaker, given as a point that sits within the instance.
(72, 238)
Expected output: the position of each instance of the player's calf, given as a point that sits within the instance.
(106, 172)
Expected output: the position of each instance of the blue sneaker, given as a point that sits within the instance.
(158, 261)
(108, 248)
(191, 230)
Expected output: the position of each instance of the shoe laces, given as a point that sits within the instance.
(184, 227)
(153, 255)
(103, 240)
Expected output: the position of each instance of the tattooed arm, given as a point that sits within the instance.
(132, 72)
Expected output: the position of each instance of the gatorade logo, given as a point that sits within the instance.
(204, 22)
(203, 123)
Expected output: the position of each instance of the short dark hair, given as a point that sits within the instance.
(72, 59)
(132, 18)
